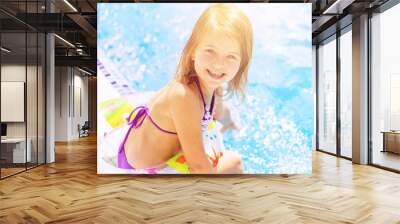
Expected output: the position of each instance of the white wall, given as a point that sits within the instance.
(33, 127)
(71, 94)
(81, 100)
(13, 73)
(62, 81)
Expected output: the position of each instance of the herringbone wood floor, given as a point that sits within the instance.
(70, 191)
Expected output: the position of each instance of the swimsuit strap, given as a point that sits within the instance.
(212, 103)
(142, 113)
(202, 98)
(201, 93)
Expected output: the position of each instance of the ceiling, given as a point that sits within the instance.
(75, 21)
(76, 24)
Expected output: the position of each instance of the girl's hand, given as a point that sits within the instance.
(230, 163)
(223, 114)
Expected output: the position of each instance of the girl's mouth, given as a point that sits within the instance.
(215, 76)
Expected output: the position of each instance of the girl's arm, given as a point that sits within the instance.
(186, 112)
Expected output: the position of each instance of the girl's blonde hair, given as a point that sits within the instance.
(230, 20)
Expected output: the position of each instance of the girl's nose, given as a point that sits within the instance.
(217, 66)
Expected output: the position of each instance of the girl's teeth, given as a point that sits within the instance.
(215, 75)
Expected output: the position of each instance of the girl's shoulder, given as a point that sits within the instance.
(179, 90)
(183, 97)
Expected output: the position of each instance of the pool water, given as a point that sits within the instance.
(271, 140)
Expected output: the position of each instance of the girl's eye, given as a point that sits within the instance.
(210, 51)
(232, 57)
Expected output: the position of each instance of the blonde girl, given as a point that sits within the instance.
(172, 125)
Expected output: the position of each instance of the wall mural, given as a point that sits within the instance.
(204, 88)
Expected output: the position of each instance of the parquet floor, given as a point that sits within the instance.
(387, 159)
(9, 171)
(70, 191)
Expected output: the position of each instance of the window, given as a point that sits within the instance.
(385, 89)
(22, 75)
(327, 96)
(346, 94)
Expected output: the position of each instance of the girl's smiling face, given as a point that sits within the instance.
(217, 59)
